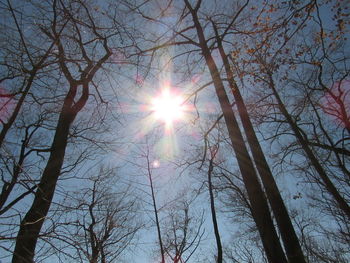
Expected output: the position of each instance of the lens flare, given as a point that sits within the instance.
(336, 103)
(155, 164)
(168, 107)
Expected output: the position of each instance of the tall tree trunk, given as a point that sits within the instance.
(32, 222)
(213, 213)
(258, 202)
(328, 184)
(94, 242)
(289, 237)
(155, 212)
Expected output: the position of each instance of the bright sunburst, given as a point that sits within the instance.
(168, 107)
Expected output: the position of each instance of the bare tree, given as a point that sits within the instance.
(213, 152)
(34, 60)
(257, 199)
(85, 39)
(18, 83)
(290, 239)
(99, 221)
(182, 232)
(274, 77)
(321, 82)
(154, 204)
(301, 84)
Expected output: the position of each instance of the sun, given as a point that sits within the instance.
(168, 107)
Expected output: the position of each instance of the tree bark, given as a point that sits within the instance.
(32, 222)
(259, 207)
(289, 237)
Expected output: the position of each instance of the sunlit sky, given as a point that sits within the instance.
(161, 120)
